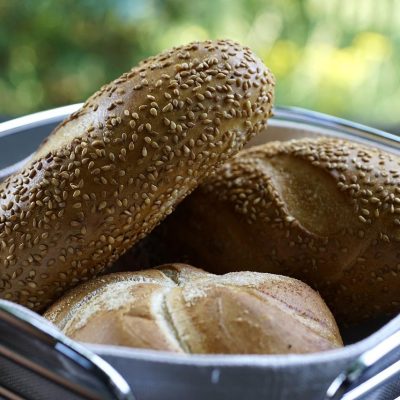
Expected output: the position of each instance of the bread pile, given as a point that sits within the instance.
(321, 210)
(326, 211)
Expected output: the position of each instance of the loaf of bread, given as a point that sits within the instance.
(184, 309)
(109, 173)
(325, 211)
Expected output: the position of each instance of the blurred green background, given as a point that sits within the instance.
(337, 56)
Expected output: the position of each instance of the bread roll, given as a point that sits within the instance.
(325, 211)
(184, 309)
(114, 169)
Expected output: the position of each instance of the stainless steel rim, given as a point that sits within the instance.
(286, 114)
(37, 119)
(301, 115)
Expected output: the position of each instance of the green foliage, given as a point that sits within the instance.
(335, 56)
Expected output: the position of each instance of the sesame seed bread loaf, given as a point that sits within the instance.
(325, 211)
(114, 169)
(184, 309)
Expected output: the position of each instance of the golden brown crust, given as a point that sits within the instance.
(113, 170)
(325, 211)
(183, 309)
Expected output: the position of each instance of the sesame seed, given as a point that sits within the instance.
(167, 108)
(55, 211)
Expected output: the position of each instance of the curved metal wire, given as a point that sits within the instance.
(61, 361)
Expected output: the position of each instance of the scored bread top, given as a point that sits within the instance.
(183, 309)
(109, 173)
(326, 211)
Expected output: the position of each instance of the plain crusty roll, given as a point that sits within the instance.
(114, 169)
(325, 211)
(184, 309)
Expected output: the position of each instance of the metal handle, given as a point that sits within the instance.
(34, 351)
(372, 370)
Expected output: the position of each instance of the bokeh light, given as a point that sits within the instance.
(339, 57)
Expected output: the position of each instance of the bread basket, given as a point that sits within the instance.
(155, 375)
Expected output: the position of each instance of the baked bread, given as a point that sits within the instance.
(325, 211)
(114, 169)
(184, 309)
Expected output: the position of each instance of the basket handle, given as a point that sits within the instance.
(375, 368)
